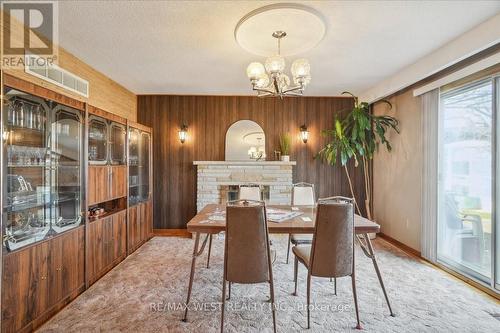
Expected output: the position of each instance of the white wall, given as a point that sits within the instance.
(397, 176)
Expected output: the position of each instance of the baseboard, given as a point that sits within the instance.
(469, 281)
(400, 245)
(172, 233)
(473, 284)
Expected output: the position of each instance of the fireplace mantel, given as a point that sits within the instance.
(214, 177)
(244, 163)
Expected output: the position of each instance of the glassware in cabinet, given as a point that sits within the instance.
(144, 166)
(43, 141)
(134, 137)
(98, 140)
(27, 202)
(67, 160)
(118, 136)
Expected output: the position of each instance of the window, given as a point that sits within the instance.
(466, 179)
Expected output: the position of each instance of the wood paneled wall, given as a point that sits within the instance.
(104, 93)
(208, 118)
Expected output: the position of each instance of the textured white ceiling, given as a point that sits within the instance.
(188, 47)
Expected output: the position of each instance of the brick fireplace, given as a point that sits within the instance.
(217, 180)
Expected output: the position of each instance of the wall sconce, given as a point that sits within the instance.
(304, 133)
(183, 133)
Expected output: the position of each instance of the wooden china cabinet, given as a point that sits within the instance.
(43, 212)
(76, 199)
(107, 192)
(140, 203)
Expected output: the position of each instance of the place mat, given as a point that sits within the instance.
(273, 215)
(281, 215)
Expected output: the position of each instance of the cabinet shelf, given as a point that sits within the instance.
(26, 165)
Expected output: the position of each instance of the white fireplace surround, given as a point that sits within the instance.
(215, 176)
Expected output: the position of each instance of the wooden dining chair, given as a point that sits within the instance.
(331, 253)
(302, 195)
(247, 257)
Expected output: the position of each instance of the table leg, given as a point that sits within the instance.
(196, 253)
(368, 251)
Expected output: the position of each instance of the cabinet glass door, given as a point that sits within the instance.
(26, 207)
(133, 162)
(66, 157)
(118, 135)
(144, 166)
(98, 140)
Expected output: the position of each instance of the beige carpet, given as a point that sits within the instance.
(146, 292)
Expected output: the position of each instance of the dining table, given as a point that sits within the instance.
(211, 220)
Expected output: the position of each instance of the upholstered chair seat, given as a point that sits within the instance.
(299, 239)
(302, 253)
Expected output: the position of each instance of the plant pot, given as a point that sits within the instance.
(285, 158)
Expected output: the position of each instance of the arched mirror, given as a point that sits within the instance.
(245, 141)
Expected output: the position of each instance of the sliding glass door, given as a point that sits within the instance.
(467, 178)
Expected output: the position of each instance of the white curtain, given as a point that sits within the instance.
(430, 123)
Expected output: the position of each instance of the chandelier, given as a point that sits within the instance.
(270, 79)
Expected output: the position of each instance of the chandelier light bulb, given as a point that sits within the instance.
(275, 64)
(262, 81)
(301, 68)
(255, 71)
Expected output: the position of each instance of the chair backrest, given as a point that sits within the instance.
(303, 194)
(250, 192)
(332, 250)
(246, 256)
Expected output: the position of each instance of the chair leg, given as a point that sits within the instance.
(209, 250)
(229, 293)
(335, 286)
(295, 273)
(353, 278)
(308, 300)
(288, 249)
(223, 305)
(271, 287)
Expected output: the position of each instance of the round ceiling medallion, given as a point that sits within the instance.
(303, 25)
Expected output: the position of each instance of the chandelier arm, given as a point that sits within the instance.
(292, 89)
(263, 90)
(262, 95)
(295, 94)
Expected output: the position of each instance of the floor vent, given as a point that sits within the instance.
(54, 74)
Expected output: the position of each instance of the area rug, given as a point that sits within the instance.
(146, 293)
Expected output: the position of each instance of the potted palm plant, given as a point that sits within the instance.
(285, 143)
(356, 136)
